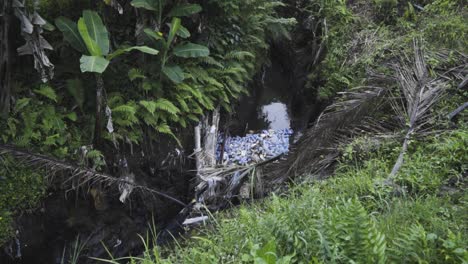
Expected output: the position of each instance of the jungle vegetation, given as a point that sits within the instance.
(379, 176)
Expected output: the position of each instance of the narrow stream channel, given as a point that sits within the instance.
(268, 105)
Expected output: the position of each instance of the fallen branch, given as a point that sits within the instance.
(457, 111)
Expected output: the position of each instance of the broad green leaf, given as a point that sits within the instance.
(97, 31)
(175, 25)
(93, 64)
(71, 33)
(144, 49)
(183, 32)
(92, 46)
(185, 10)
(146, 4)
(47, 91)
(174, 73)
(153, 34)
(191, 50)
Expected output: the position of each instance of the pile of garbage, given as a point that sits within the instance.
(253, 148)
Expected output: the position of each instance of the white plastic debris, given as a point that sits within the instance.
(126, 187)
(110, 125)
(117, 243)
(195, 220)
(254, 148)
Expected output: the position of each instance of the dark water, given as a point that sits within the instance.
(268, 105)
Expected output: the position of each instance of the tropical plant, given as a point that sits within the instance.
(90, 37)
(183, 50)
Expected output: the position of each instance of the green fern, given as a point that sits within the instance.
(413, 246)
(134, 74)
(239, 55)
(47, 92)
(211, 62)
(125, 109)
(125, 115)
(165, 129)
(352, 229)
(183, 105)
(167, 106)
(150, 106)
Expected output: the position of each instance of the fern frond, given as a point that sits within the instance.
(183, 104)
(125, 109)
(47, 91)
(167, 106)
(239, 55)
(193, 117)
(135, 73)
(150, 106)
(192, 90)
(165, 129)
(211, 61)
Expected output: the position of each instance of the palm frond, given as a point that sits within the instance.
(73, 176)
(218, 185)
(420, 94)
(318, 148)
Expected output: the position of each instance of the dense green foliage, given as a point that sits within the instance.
(363, 37)
(134, 80)
(184, 60)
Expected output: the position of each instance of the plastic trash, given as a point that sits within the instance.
(254, 148)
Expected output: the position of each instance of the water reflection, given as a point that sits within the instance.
(275, 115)
(267, 105)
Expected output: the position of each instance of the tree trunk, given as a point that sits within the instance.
(99, 101)
(5, 60)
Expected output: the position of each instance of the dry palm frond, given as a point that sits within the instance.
(420, 94)
(73, 176)
(318, 147)
(218, 185)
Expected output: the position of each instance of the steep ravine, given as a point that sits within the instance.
(94, 216)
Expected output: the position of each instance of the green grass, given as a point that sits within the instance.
(350, 218)
(371, 33)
